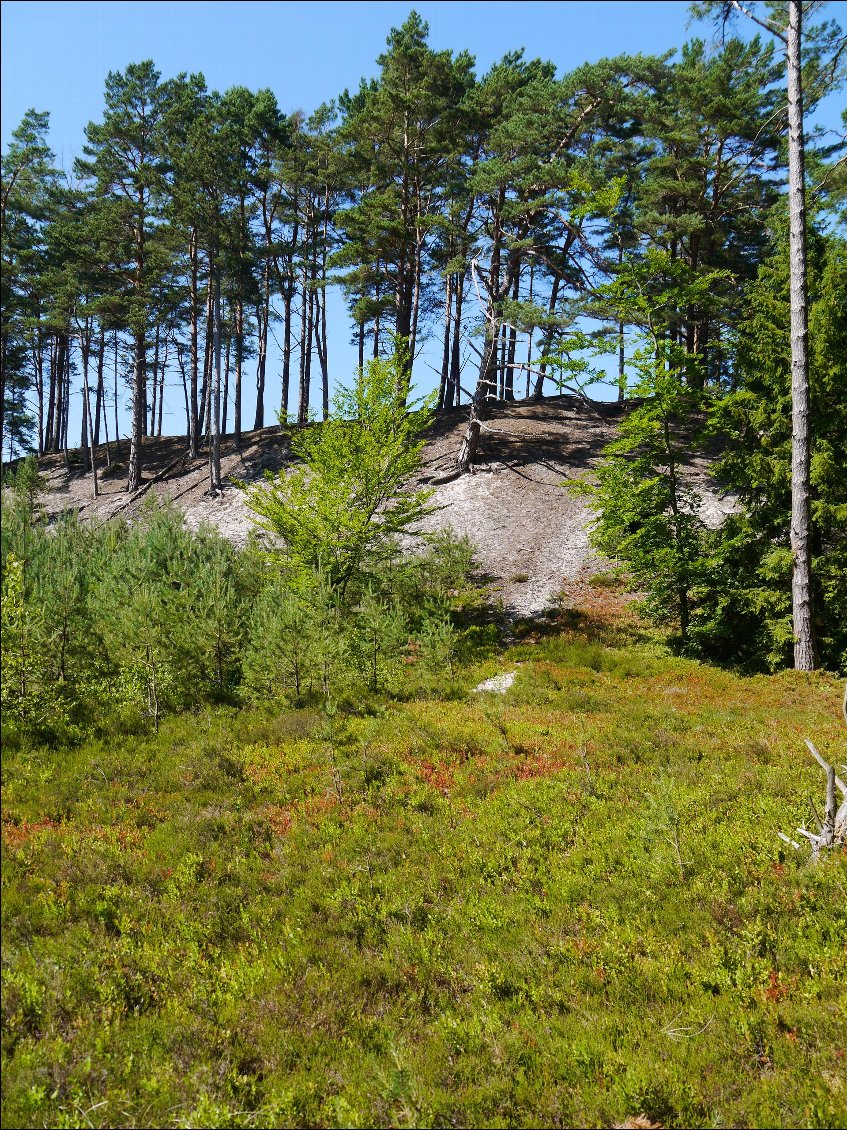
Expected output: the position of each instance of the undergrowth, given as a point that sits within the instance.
(565, 905)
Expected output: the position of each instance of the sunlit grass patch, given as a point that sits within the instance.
(565, 904)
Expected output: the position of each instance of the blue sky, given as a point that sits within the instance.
(55, 56)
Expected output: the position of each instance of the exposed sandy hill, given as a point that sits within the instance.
(530, 533)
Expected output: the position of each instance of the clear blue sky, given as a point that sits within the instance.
(55, 56)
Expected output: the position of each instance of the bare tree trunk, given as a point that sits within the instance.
(138, 386)
(531, 332)
(509, 389)
(215, 423)
(225, 408)
(51, 397)
(86, 405)
(305, 353)
(193, 416)
(99, 399)
(208, 359)
(239, 355)
(117, 428)
(264, 315)
(445, 356)
(801, 581)
(155, 382)
(538, 391)
(38, 367)
(455, 393)
(163, 369)
(286, 355)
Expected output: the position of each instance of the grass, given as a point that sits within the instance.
(566, 905)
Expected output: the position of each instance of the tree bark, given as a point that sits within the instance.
(445, 357)
(801, 582)
(86, 413)
(193, 417)
(454, 395)
(264, 313)
(138, 385)
(215, 424)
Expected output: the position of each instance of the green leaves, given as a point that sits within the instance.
(339, 512)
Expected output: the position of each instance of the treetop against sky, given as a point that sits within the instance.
(56, 55)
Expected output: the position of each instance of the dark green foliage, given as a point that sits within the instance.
(120, 625)
(745, 612)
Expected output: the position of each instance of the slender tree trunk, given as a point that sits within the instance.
(305, 353)
(117, 428)
(38, 367)
(208, 358)
(84, 430)
(509, 390)
(445, 355)
(102, 378)
(163, 370)
(801, 583)
(501, 365)
(286, 353)
(621, 364)
(225, 407)
(138, 385)
(215, 423)
(181, 363)
(154, 383)
(86, 405)
(261, 368)
(99, 399)
(193, 416)
(547, 341)
(51, 396)
(239, 355)
(323, 337)
(454, 396)
(531, 332)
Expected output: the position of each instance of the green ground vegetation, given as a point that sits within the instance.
(565, 905)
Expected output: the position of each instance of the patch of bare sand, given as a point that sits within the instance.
(529, 532)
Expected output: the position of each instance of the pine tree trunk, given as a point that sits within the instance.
(100, 397)
(538, 391)
(138, 384)
(286, 357)
(193, 415)
(261, 368)
(215, 423)
(239, 354)
(225, 407)
(621, 365)
(155, 384)
(88, 430)
(445, 356)
(801, 582)
(454, 395)
(163, 369)
(208, 359)
(305, 351)
(509, 390)
(117, 428)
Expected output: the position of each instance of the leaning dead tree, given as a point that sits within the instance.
(832, 829)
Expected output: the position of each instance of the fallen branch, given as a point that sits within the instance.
(832, 829)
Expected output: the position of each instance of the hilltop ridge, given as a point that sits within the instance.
(529, 532)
